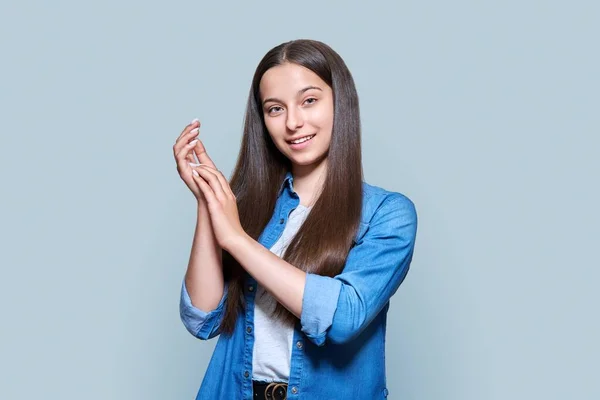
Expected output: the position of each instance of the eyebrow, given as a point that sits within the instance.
(273, 99)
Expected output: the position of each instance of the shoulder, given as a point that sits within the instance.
(377, 200)
(385, 211)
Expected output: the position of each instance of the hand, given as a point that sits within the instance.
(184, 150)
(222, 205)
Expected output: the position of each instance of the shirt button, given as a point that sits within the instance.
(294, 390)
(299, 345)
(251, 288)
(281, 221)
(249, 329)
(246, 374)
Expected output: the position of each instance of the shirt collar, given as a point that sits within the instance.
(287, 181)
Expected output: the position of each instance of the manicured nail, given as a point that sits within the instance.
(195, 131)
(195, 172)
(193, 142)
(194, 120)
(194, 164)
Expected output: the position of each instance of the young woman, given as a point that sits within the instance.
(294, 259)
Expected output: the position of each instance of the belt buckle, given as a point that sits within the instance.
(278, 391)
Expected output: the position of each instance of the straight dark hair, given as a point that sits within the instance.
(322, 243)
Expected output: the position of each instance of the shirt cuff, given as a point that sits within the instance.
(321, 294)
(202, 324)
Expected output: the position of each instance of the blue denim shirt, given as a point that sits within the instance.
(339, 341)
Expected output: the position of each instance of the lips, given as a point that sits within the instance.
(306, 144)
(302, 137)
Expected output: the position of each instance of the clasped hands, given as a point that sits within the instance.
(209, 185)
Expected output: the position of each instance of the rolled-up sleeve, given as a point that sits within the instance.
(337, 309)
(203, 325)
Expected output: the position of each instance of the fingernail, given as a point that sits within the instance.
(193, 142)
(194, 164)
(195, 131)
(194, 120)
(195, 172)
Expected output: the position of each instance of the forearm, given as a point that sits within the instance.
(281, 279)
(204, 275)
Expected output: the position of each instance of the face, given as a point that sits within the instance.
(296, 103)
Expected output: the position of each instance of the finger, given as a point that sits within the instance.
(195, 157)
(181, 157)
(190, 131)
(214, 182)
(222, 179)
(202, 155)
(185, 150)
(199, 151)
(181, 142)
(194, 124)
(206, 189)
(190, 157)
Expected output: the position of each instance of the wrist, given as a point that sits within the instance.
(236, 242)
(201, 205)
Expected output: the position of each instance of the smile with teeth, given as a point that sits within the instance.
(304, 139)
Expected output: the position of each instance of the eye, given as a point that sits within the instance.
(274, 109)
(310, 100)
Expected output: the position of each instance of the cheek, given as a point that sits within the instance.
(324, 118)
(269, 125)
(273, 127)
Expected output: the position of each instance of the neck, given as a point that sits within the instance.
(308, 181)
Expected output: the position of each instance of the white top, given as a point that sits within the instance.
(272, 352)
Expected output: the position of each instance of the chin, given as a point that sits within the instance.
(306, 160)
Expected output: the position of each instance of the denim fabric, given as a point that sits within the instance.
(339, 341)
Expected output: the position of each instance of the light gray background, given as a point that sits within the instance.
(485, 114)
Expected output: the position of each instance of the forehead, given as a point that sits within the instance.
(287, 79)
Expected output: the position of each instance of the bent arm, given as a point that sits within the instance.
(338, 309)
(203, 325)
(203, 290)
(280, 278)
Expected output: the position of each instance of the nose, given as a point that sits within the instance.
(294, 120)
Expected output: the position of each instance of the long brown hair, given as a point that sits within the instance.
(322, 243)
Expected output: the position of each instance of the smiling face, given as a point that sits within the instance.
(296, 104)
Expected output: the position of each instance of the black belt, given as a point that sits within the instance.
(269, 390)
